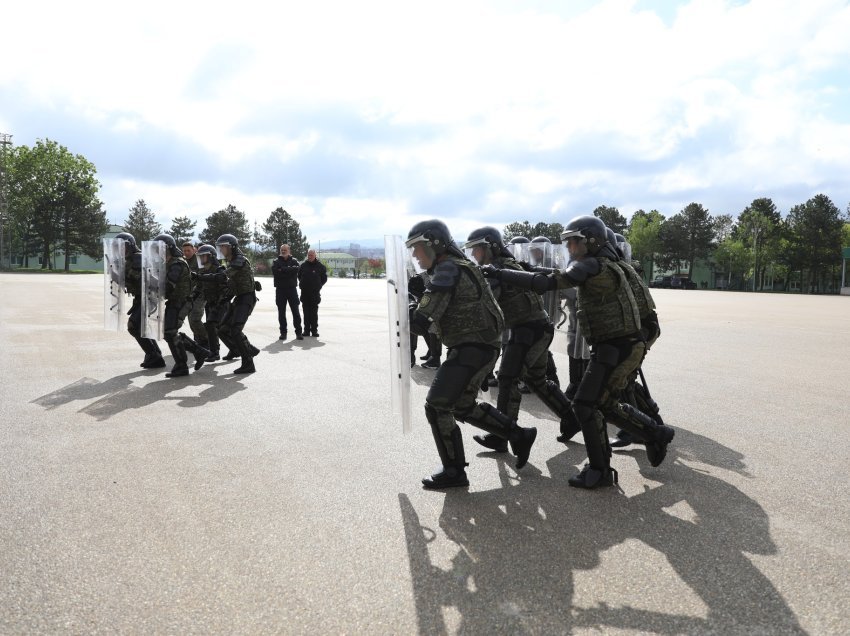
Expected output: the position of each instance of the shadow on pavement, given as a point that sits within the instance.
(519, 545)
(279, 346)
(118, 394)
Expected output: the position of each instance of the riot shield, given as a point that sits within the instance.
(153, 289)
(114, 293)
(399, 270)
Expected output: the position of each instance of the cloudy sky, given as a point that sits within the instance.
(361, 118)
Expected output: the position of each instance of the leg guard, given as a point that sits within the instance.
(550, 394)
(180, 367)
(658, 437)
(551, 369)
(453, 473)
(201, 354)
(490, 419)
(212, 338)
(577, 367)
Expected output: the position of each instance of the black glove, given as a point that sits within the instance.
(491, 272)
(257, 286)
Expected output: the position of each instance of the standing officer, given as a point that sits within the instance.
(133, 282)
(178, 287)
(285, 271)
(242, 288)
(609, 319)
(312, 276)
(530, 333)
(196, 314)
(469, 322)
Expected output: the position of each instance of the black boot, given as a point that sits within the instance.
(180, 367)
(550, 394)
(593, 477)
(493, 442)
(657, 437)
(201, 354)
(453, 471)
(485, 416)
(247, 359)
(212, 338)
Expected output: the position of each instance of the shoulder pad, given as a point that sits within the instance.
(580, 270)
(445, 275)
(239, 261)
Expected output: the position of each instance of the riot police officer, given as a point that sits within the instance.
(530, 333)
(196, 314)
(178, 304)
(610, 321)
(216, 298)
(469, 323)
(242, 288)
(133, 282)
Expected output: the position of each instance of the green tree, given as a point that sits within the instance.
(142, 223)
(230, 220)
(53, 200)
(687, 235)
(182, 228)
(644, 235)
(732, 257)
(518, 228)
(612, 218)
(282, 228)
(814, 231)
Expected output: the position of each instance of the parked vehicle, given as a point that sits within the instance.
(662, 282)
(682, 282)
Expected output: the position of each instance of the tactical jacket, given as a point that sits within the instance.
(519, 306)
(312, 276)
(133, 273)
(606, 306)
(461, 305)
(240, 275)
(285, 271)
(178, 284)
(214, 291)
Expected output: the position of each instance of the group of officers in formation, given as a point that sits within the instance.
(183, 283)
(492, 303)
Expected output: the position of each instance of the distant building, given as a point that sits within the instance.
(337, 261)
(80, 262)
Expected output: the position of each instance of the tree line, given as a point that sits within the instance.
(261, 242)
(744, 251)
(53, 204)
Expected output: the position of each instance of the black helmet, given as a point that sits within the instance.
(518, 239)
(129, 240)
(210, 251)
(433, 233)
(540, 239)
(624, 250)
(487, 235)
(589, 228)
(228, 239)
(170, 244)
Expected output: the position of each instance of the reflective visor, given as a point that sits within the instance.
(419, 238)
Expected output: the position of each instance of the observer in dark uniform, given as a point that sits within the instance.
(312, 276)
(469, 322)
(530, 334)
(285, 271)
(133, 283)
(196, 314)
(610, 321)
(215, 295)
(242, 289)
(178, 289)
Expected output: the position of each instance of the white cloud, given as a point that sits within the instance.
(476, 108)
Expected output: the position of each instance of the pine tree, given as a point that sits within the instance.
(182, 229)
(141, 223)
(230, 220)
(282, 228)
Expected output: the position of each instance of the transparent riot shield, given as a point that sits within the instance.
(399, 270)
(114, 293)
(153, 289)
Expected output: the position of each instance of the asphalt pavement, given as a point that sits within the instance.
(289, 501)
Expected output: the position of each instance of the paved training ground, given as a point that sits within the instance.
(288, 501)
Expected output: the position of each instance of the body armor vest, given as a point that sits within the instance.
(607, 311)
